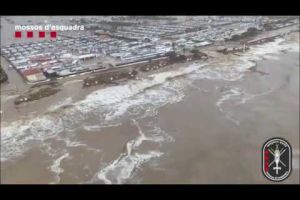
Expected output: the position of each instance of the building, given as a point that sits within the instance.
(33, 75)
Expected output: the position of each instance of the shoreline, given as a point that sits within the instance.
(198, 140)
(74, 85)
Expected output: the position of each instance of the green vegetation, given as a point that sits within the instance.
(3, 75)
(36, 93)
(249, 33)
(195, 50)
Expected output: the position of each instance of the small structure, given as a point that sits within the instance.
(33, 75)
(50, 73)
(87, 56)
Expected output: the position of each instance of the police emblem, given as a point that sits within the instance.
(276, 159)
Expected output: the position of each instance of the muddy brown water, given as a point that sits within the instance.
(210, 143)
(208, 147)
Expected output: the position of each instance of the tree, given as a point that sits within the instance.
(252, 30)
(173, 46)
(195, 51)
(3, 75)
(235, 37)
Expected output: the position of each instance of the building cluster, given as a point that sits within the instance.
(106, 45)
(37, 61)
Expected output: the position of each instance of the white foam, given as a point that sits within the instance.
(108, 104)
(121, 169)
(56, 169)
(135, 99)
(124, 166)
(271, 57)
(60, 104)
(269, 50)
(99, 127)
(240, 97)
(220, 71)
(115, 94)
(15, 139)
(246, 97)
(234, 70)
(228, 94)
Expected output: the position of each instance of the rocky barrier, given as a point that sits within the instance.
(37, 92)
(3, 75)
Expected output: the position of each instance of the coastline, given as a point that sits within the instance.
(8, 107)
(220, 99)
(196, 141)
(229, 137)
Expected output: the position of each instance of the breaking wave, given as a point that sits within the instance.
(107, 105)
(135, 100)
(237, 96)
(55, 167)
(60, 104)
(124, 166)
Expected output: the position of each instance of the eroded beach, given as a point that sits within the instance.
(184, 121)
(203, 122)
